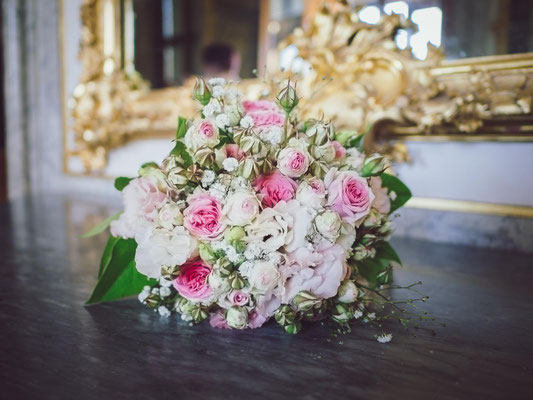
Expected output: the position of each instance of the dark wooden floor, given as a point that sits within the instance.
(54, 348)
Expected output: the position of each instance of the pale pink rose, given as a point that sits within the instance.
(340, 151)
(256, 320)
(267, 119)
(142, 199)
(251, 106)
(264, 113)
(312, 193)
(266, 306)
(274, 188)
(239, 298)
(324, 279)
(207, 129)
(293, 162)
(348, 194)
(382, 200)
(232, 150)
(202, 133)
(217, 320)
(203, 217)
(191, 282)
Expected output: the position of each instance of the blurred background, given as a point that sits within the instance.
(92, 89)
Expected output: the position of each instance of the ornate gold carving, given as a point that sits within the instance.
(100, 101)
(367, 81)
(359, 79)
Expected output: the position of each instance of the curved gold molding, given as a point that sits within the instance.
(473, 207)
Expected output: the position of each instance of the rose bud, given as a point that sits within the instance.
(202, 91)
(293, 328)
(341, 313)
(287, 98)
(374, 165)
(206, 253)
(328, 224)
(285, 315)
(305, 301)
(237, 317)
(347, 292)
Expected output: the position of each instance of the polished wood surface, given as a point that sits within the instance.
(52, 347)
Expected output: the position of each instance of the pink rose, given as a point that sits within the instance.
(207, 129)
(217, 320)
(264, 113)
(251, 106)
(263, 311)
(239, 298)
(348, 194)
(382, 200)
(267, 119)
(339, 150)
(191, 283)
(274, 188)
(232, 150)
(142, 200)
(293, 162)
(203, 217)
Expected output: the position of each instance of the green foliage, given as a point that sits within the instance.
(183, 125)
(118, 276)
(102, 226)
(151, 164)
(378, 270)
(180, 150)
(393, 184)
(108, 253)
(121, 182)
(356, 142)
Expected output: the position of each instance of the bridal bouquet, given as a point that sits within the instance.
(254, 215)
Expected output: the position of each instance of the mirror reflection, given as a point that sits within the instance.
(175, 39)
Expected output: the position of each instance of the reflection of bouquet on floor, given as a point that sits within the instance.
(254, 214)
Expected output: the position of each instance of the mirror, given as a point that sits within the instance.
(137, 57)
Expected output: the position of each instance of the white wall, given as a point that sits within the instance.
(489, 172)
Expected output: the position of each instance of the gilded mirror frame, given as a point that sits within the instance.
(113, 105)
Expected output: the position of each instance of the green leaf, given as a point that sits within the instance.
(121, 182)
(152, 164)
(102, 226)
(180, 150)
(377, 270)
(393, 184)
(107, 255)
(183, 124)
(386, 251)
(356, 142)
(120, 278)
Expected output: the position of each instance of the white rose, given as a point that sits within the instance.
(347, 292)
(169, 216)
(312, 193)
(201, 133)
(162, 247)
(220, 285)
(222, 120)
(263, 277)
(328, 224)
(268, 231)
(241, 208)
(237, 317)
(299, 219)
(234, 115)
(354, 159)
(347, 236)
